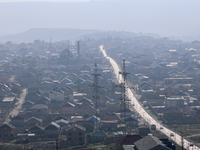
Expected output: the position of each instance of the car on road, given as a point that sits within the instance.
(161, 127)
(191, 144)
(171, 134)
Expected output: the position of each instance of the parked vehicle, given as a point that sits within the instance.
(145, 104)
(153, 127)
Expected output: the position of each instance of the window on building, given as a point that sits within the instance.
(69, 134)
(80, 133)
(80, 139)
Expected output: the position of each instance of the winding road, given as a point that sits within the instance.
(176, 138)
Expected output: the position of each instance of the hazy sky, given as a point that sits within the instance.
(43, 0)
(165, 17)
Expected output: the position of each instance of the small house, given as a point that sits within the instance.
(75, 135)
(52, 130)
(39, 109)
(17, 121)
(132, 121)
(33, 121)
(7, 131)
(37, 130)
(68, 108)
(126, 140)
(98, 136)
(150, 142)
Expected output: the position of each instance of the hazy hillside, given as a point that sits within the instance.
(57, 34)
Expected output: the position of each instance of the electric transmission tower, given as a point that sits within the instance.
(96, 86)
(123, 87)
(124, 74)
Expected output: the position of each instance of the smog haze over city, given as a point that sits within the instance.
(165, 18)
(99, 74)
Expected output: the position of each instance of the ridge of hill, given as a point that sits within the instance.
(59, 34)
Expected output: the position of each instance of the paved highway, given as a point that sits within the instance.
(171, 134)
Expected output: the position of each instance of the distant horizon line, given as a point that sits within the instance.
(71, 28)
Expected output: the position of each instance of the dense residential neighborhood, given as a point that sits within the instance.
(68, 91)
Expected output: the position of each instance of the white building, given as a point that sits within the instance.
(174, 101)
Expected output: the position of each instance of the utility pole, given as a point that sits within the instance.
(182, 141)
(96, 86)
(57, 143)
